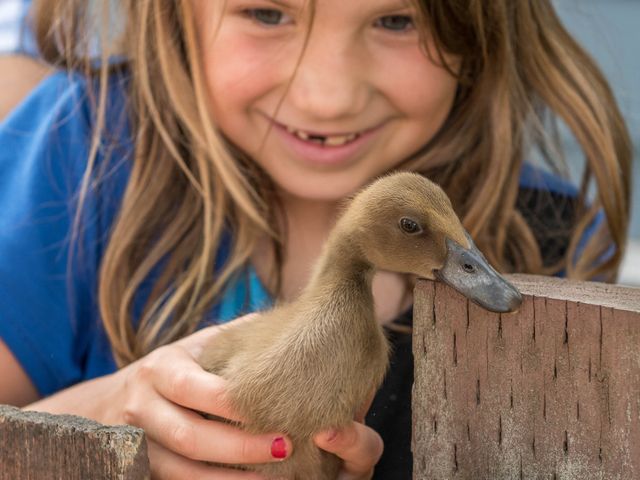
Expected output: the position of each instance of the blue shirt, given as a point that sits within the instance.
(48, 308)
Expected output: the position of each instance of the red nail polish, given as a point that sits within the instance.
(279, 448)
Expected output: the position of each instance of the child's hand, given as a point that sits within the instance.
(162, 394)
(359, 446)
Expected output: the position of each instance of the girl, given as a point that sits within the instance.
(190, 174)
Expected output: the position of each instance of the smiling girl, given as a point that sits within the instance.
(192, 172)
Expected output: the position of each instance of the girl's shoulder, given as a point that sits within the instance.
(549, 203)
(48, 264)
(66, 102)
(52, 131)
(533, 177)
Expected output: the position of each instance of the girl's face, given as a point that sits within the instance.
(325, 117)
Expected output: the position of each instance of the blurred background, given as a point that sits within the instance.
(610, 31)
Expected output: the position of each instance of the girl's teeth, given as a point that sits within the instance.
(332, 141)
(338, 140)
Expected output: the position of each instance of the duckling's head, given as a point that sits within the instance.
(405, 223)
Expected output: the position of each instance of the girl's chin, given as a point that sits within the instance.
(319, 189)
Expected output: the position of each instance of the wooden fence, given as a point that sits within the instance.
(552, 391)
(39, 446)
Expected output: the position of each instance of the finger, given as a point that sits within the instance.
(167, 465)
(192, 436)
(358, 445)
(182, 381)
(180, 378)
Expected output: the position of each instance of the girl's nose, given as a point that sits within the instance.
(330, 82)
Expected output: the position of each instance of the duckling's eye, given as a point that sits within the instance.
(469, 268)
(410, 226)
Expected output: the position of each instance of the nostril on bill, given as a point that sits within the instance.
(467, 267)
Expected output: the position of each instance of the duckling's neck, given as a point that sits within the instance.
(342, 270)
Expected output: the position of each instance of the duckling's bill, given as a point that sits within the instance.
(467, 271)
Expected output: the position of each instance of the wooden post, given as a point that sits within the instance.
(35, 445)
(552, 391)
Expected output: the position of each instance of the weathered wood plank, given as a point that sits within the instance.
(36, 445)
(552, 391)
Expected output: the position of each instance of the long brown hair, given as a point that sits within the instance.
(520, 72)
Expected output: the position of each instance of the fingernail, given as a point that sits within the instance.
(279, 448)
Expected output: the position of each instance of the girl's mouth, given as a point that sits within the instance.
(324, 140)
(324, 149)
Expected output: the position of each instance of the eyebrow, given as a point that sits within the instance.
(281, 3)
(393, 5)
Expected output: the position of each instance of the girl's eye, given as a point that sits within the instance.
(266, 16)
(395, 23)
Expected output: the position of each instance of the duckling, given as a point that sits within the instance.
(308, 365)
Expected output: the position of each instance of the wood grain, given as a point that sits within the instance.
(551, 391)
(36, 445)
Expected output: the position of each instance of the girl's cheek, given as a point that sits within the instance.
(246, 64)
(421, 87)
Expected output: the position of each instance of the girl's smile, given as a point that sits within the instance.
(326, 149)
(322, 105)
